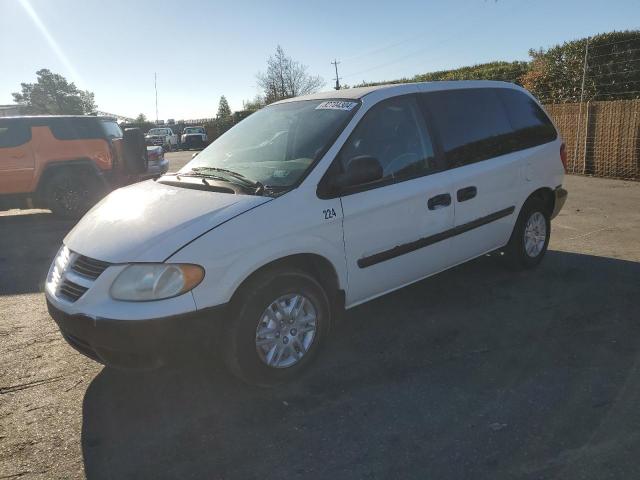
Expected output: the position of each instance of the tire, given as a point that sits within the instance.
(255, 319)
(70, 194)
(523, 252)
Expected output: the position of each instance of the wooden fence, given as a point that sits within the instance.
(602, 138)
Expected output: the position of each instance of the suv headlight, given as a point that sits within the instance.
(155, 281)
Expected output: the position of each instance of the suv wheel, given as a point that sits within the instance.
(280, 321)
(530, 237)
(70, 194)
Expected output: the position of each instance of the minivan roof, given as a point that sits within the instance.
(399, 88)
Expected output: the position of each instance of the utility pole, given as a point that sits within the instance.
(155, 85)
(584, 75)
(335, 64)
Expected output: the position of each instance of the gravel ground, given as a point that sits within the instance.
(475, 373)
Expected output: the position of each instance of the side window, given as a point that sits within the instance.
(14, 134)
(472, 124)
(530, 124)
(393, 132)
(111, 129)
(70, 128)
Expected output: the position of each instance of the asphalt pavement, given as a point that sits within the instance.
(475, 373)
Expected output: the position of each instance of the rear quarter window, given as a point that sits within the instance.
(14, 133)
(530, 124)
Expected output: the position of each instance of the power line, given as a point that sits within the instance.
(422, 50)
(616, 53)
(633, 39)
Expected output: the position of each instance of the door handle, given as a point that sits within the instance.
(439, 201)
(466, 193)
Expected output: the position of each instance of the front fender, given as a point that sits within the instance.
(233, 251)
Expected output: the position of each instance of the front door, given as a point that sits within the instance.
(392, 226)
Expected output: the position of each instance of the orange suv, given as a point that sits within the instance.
(67, 163)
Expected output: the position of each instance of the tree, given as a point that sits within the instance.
(286, 78)
(252, 105)
(612, 73)
(142, 118)
(502, 71)
(53, 94)
(224, 111)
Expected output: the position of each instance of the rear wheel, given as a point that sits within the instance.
(70, 194)
(530, 237)
(280, 321)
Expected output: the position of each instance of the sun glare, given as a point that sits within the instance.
(52, 42)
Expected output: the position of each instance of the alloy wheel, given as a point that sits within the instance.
(286, 330)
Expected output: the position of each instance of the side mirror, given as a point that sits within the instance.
(362, 169)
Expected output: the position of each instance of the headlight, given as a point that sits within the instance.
(155, 281)
(58, 267)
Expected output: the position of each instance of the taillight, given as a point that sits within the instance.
(563, 156)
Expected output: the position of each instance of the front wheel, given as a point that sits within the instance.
(70, 194)
(530, 237)
(281, 318)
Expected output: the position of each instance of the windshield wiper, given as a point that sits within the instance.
(200, 171)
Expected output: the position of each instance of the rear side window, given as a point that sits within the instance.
(472, 124)
(14, 133)
(111, 129)
(530, 124)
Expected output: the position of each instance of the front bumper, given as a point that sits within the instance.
(139, 344)
(560, 199)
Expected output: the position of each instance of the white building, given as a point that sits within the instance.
(10, 110)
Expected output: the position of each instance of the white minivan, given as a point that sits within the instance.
(307, 207)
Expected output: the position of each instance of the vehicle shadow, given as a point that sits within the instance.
(23, 267)
(475, 373)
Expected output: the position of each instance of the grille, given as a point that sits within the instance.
(89, 267)
(71, 291)
(72, 274)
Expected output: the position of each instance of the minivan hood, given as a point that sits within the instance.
(149, 221)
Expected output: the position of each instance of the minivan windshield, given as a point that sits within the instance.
(277, 145)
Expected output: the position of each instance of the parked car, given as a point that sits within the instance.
(163, 137)
(157, 163)
(309, 206)
(193, 137)
(67, 163)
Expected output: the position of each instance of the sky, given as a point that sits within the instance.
(201, 50)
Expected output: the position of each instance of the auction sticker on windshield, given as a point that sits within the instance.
(336, 105)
